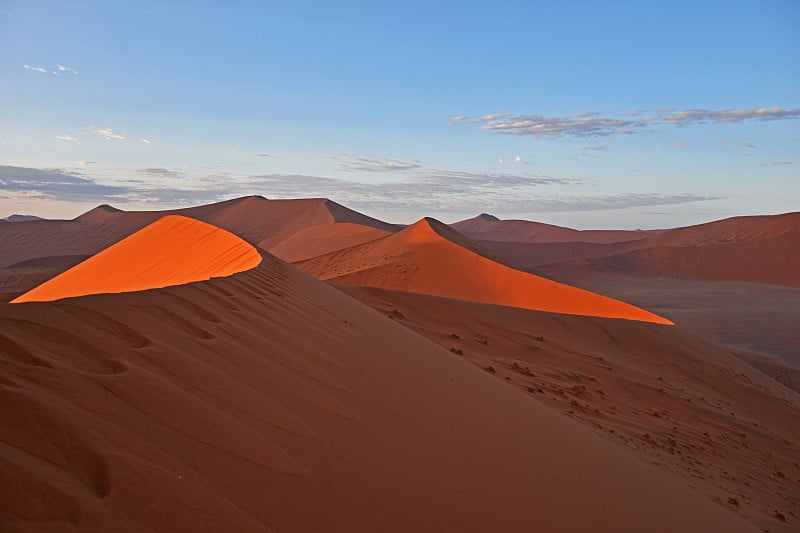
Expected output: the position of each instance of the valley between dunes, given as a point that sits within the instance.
(173, 371)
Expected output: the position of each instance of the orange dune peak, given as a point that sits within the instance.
(174, 250)
(429, 257)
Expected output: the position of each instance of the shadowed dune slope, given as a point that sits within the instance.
(729, 230)
(431, 258)
(322, 239)
(270, 401)
(764, 259)
(253, 218)
(668, 396)
(764, 249)
(490, 228)
(171, 251)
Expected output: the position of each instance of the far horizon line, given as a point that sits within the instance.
(35, 217)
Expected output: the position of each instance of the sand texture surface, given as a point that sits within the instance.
(171, 251)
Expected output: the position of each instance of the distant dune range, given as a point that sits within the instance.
(252, 218)
(764, 249)
(244, 394)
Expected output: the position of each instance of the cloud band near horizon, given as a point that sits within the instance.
(595, 124)
(432, 192)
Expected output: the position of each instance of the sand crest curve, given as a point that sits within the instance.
(173, 250)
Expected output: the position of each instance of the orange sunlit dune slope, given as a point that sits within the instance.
(430, 258)
(173, 250)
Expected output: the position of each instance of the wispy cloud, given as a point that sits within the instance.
(71, 185)
(63, 68)
(56, 184)
(37, 69)
(432, 192)
(595, 124)
(369, 163)
(68, 138)
(109, 134)
(591, 151)
(146, 141)
(159, 173)
(57, 70)
(748, 145)
(676, 144)
(781, 163)
(84, 162)
(452, 194)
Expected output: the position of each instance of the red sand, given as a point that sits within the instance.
(322, 239)
(270, 401)
(669, 397)
(431, 258)
(253, 218)
(489, 228)
(764, 249)
(171, 251)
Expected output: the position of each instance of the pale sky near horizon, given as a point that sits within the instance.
(584, 114)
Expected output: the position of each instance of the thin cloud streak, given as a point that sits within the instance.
(431, 192)
(594, 124)
(109, 134)
(368, 163)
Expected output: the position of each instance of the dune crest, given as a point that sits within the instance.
(429, 257)
(174, 250)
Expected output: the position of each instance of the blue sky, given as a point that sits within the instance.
(585, 114)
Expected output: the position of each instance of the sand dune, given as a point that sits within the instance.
(431, 258)
(20, 218)
(756, 318)
(525, 255)
(490, 228)
(666, 395)
(772, 259)
(171, 251)
(253, 218)
(321, 239)
(268, 400)
(764, 249)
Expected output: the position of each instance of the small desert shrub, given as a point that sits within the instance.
(778, 472)
(455, 336)
(490, 369)
(395, 313)
(540, 338)
(780, 516)
(733, 501)
(522, 370)
(457, 351)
